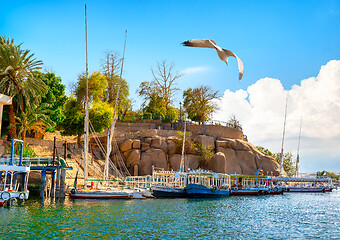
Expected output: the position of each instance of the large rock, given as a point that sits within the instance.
(159, 142)
(152, 157)
(175, 161)
(247, 162)
(242, 145)
(268, 165)
(192, 161)
(232, 163)
(126, 145)
(172, 146)
(133, 158)
(226, 143)
(145, 146)
(207, 141)
(136, 144)
(217, 163)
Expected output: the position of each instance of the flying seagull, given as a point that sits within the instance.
(224, 54)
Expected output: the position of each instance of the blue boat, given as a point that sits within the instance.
(200, 191)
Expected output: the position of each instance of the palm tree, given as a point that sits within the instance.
(33, 119)
(17, 79)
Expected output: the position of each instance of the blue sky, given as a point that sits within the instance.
(285, 40)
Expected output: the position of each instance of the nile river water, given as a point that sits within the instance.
(288, 216)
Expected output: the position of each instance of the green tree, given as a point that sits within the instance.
(55, 98)
(289, 165)
(198, 104)
(17, 67)
(234, 122)
(33, 119)
(96, 87)
(162, 88)
(111, 69)
(73, 123)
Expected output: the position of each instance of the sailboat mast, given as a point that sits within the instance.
(182, 165)
(111, 131)
(86, 122)
(283, 137)
(298, 150)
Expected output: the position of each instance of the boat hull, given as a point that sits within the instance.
(97, 194)
(306, 189)
(249, 192)
(168, 192)
(200, 191)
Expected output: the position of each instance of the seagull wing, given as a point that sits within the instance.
(223, 54)
(229, 53)
(204, 43)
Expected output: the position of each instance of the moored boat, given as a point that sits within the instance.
(100, 194)
(160, 191)
(200, 191)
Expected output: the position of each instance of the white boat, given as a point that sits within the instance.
(13, 179)
(100, 194)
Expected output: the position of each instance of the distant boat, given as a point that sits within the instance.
(301, 185)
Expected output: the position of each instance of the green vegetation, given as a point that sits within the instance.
(198, 104)
(289, 165)
(27, 151)
(235, 123)
(17, 79)
(158, 94)
(40, 103)
(194, 147)
(327, 174)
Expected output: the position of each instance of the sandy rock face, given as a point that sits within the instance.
(207, 141)
(175, 161)
(247, 162)
(172, 146)
(217, 163)
(159, 142)
(232, 164)
(152, 157)
(126, 145)
(133, 158)
(191, 161)
(136, 144)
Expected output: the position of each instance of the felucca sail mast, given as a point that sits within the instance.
(283, 137)
(182, 165)
(111, 131)
(86, 120)
(298, 150)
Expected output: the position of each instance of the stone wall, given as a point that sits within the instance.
(231, 155)
(216, 131)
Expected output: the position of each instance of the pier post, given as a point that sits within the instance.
(62, 183)
(52, 191)
(57, 188)
(43, 183)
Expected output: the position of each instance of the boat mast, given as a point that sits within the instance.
(182, 165)
(283, 137)
(298, 150)
(86, 121)
(111, 131)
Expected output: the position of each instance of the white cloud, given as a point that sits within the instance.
(194, 70)
(261, 108)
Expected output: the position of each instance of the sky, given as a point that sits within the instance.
(290, 49)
